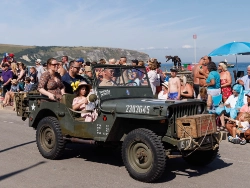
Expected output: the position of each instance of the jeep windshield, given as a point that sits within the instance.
(119, 81)
(123, 76)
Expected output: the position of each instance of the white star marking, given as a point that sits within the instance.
(33, 107)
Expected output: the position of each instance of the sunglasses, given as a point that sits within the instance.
(56, 64)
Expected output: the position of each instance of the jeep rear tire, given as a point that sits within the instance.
(200, 158)
(49, 138)
(143, 155)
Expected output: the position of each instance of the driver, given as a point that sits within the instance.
(107, 78)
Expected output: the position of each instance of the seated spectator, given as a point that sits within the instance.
(80, 102)
(232, 104)
(50, 83)
(187, 91)
(28, 85)
(203, 96)
(163, 94)
(72, 76)
(245, 80)
(241, 126)
(9, 96)
(61, 70)
(33, 75)
(246, 107)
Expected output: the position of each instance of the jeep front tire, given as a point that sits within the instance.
(143, 155)
(49, 138)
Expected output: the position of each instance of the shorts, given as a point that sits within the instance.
(173, 96)
(241, 130)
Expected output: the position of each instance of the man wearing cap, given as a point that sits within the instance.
(39, 69)
(72, 76)
(80, 61)
(174, 85)
(245, 80)
(107, 78)
(6, 78)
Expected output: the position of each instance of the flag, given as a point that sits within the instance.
(194, 36)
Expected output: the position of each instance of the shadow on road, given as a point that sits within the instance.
(19, 171)
(179, 167)
(13, 147)
(94, 154)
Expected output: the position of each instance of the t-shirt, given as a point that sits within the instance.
(232, 100)
(39, 70)
(6, 75)
(67, 81)
(213, 75)
(246, 80)
(161, 95)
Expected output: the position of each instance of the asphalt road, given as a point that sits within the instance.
(21, 165)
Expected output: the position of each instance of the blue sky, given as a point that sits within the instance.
(156, 27)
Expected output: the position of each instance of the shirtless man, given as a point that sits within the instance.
(197, 76)
(174, 86)
(203, 70)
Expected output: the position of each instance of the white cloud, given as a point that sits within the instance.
(186, 46)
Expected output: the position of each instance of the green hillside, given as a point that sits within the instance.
(28, 54)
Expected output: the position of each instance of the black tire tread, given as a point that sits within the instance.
(59, 149)
(160, 155)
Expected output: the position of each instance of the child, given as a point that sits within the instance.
(28, 84)
(80, 102)
(241, 126)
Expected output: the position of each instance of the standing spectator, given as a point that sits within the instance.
(245, 80)
(39, 68)
(6, 78)
(152, 76)
(102, 61)
(61, 70)
(72, 76)
(174, 85)
(225, 81)
(187, 91)
(80, 60)
(11, 58)
(213, 80)
(14, 68)
(65, 62)
(197, 77)
(204, 70)
(112, 61)
(21, 75)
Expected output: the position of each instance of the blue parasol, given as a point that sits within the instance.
(232, 48)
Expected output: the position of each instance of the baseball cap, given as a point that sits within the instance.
(11, 55)
(80, 60)
(38, 61)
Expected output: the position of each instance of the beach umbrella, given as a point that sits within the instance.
(232, 48)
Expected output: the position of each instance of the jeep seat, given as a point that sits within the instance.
(67, 99)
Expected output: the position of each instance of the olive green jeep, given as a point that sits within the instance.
(149, 130)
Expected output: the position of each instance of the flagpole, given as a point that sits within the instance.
(194, 37)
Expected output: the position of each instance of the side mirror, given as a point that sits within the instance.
(92, 97)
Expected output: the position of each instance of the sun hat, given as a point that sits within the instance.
(83, 83)
(165, 84)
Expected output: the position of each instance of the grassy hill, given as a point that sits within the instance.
(28, 54)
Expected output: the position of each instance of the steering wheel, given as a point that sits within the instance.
(131, 84)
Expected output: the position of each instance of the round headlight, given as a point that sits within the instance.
(199, 109)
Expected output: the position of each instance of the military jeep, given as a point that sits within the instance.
(149, 130)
